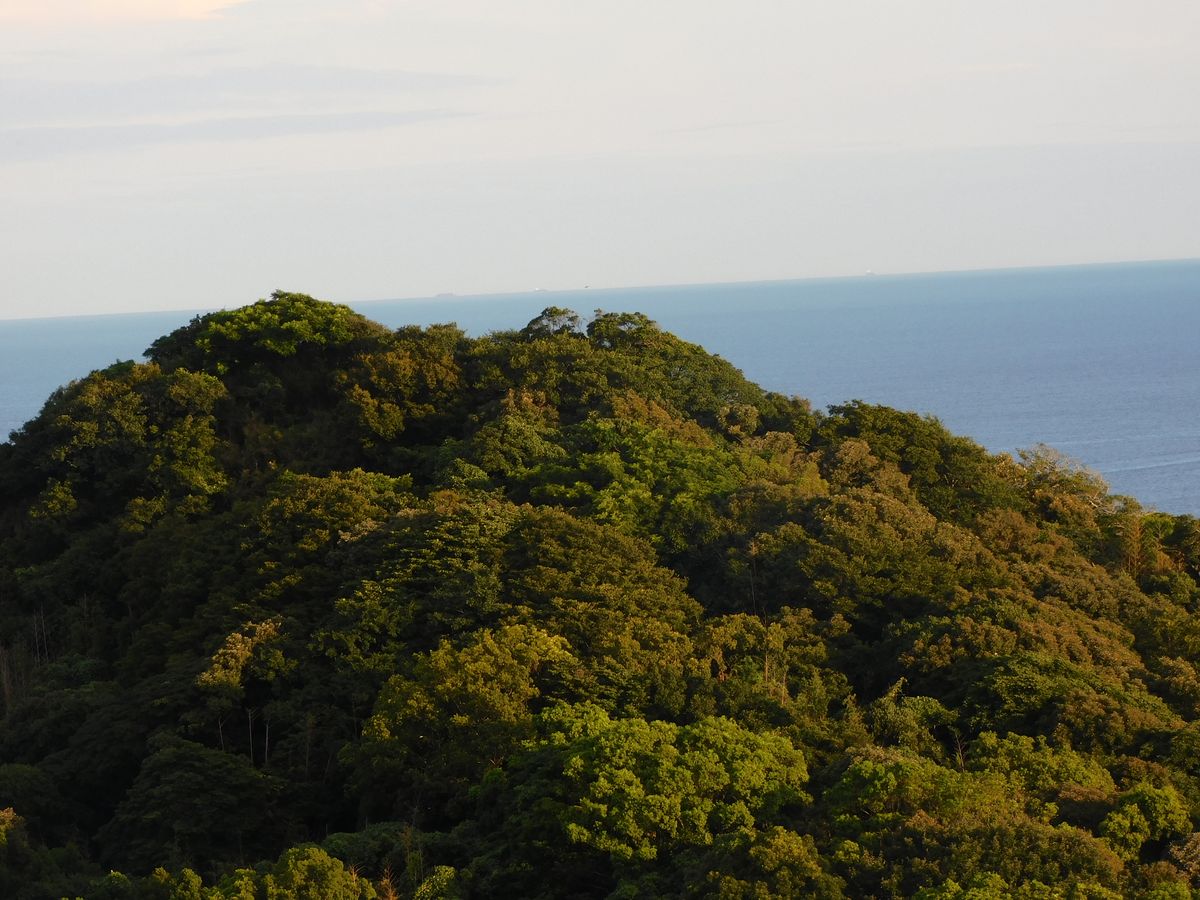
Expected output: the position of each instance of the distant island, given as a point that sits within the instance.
(303, 606)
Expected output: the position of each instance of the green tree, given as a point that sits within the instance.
(191, 806)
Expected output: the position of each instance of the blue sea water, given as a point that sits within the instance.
(1097, 361)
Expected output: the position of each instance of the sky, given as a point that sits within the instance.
(185, 154)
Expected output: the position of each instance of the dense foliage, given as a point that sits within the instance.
(303, 607)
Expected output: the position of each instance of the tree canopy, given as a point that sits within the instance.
(302, 607)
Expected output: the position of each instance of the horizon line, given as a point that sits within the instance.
(449, 296)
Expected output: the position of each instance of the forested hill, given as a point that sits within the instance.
(306, 608)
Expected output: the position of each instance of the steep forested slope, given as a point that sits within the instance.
(303, 607)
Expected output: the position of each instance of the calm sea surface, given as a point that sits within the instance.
(1100, 362)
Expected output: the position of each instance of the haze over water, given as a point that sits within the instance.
(1097, 361)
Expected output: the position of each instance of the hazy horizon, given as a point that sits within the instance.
(199, 153)
(600, 289)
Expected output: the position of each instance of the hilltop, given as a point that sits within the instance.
(305, 607)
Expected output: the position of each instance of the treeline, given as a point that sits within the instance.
(305, 607)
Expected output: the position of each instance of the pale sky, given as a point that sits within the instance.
(162, 154)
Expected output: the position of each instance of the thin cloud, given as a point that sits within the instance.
(995, 68)
(347, 10)
(40, 101)
(722, 126)
(70, 12)
(25, 144)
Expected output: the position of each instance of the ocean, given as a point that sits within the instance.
(1098, 361)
